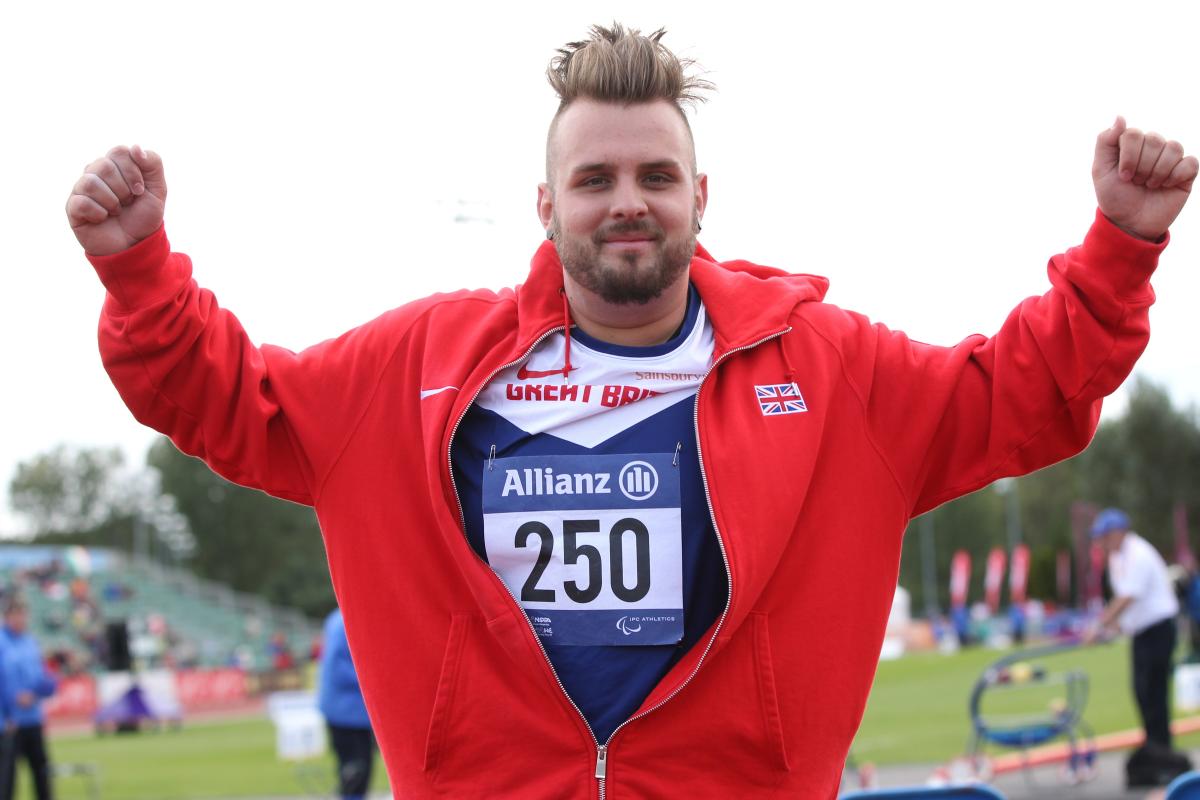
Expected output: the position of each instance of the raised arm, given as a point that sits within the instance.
(264, 417)
(952, 420)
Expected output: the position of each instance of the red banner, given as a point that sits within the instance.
(1184, 556)
(1063, 577)
(76, 697)
(993, 578)
(1082, 515)
(1095, 584)
(1018, 574)
(196, 690)
(210, 688)
(960, 578)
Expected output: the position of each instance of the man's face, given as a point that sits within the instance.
(1111, 541)
(16, 620)
(625, 200)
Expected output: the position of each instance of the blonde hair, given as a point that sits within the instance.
(616, 65)
(620, 65)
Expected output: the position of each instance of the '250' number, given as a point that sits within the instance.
(573, 551)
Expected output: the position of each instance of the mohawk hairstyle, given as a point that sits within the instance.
(620, 65)
(617, 65)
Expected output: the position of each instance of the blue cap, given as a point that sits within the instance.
(1109, 520)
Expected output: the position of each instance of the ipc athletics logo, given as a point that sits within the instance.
(638, 480)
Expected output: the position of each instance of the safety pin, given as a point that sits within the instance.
(675, 460)
(491, 457)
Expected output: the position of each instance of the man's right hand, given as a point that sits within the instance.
(118, 201)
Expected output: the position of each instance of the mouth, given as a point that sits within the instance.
(630, 241)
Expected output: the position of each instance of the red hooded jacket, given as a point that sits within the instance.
(809, 507)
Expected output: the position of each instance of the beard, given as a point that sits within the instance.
(619, 279)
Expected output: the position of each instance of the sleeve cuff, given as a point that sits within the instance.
(1130, 261)
(143, 274)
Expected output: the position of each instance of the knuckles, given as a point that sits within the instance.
(1155, 140)
(96, 187)
(108, 171)
(90, 182)
(82, 209)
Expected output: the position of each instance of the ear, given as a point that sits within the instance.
(545, 205)
(701, 194)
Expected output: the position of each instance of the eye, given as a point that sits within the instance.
(594, 181)
(657, 178)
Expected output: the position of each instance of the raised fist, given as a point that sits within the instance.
(118, 201)
(1142, 180)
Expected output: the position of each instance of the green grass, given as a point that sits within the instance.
(917, 710)
(917, 713)
(203, 761)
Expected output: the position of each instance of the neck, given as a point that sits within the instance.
(630, 324)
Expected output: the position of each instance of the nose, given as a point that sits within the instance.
(627, 201)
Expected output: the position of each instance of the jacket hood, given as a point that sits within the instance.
(756, 300)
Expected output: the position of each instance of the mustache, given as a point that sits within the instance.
(651, 229)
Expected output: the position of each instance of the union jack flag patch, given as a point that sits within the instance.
(780, 398)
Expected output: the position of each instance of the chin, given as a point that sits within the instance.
(628, 278)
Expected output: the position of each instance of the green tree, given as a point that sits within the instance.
(67, 491)
(1146, 462)
(88, 496)
(974, 523)
(244, 538)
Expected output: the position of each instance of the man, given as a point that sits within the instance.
(1143, 606)
(26, 683)
(341, 702)
(633, 528)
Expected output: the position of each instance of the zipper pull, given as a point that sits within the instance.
(601, 762)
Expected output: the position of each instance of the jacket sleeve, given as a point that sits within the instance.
(264, 417)
(46, 684)
(6, 702)
(342, 674)
(952, 420)
(12, 685)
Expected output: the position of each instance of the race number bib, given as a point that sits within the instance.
(590, 545)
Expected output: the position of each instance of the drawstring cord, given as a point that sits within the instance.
(567, 331)
(791, 371)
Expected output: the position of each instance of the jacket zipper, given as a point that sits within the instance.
(602, 755)
(463, 520)
(601, 772)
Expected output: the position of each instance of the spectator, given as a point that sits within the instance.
(341, 703)
(280, 652)
(1144, 607)
(26, 684)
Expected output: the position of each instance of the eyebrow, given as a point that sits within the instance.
(604, 166)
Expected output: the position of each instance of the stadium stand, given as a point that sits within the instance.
(82, 600)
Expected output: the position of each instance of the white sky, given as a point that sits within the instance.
(927, 157)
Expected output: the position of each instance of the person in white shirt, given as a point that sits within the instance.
(1144, 607)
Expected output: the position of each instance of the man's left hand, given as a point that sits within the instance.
(1142, 179)
(25, 699)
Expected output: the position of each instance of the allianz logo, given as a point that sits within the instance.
(637, 480)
